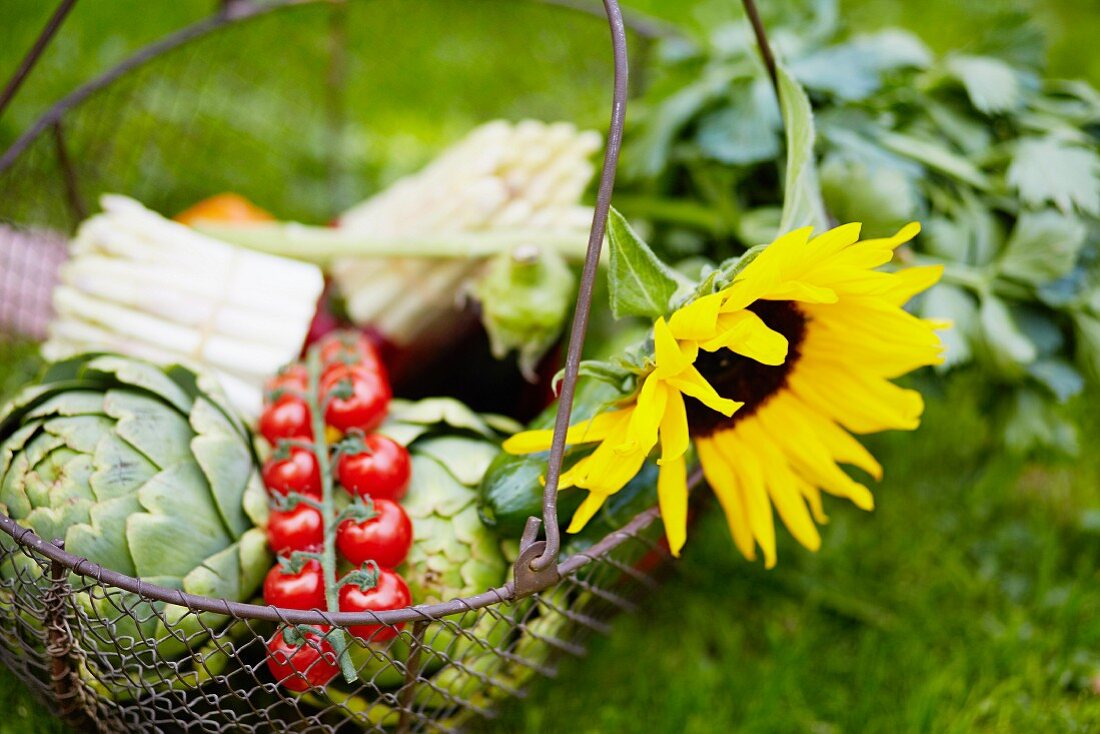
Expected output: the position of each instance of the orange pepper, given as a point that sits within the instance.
(226, 207)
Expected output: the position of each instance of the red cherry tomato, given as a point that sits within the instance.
(287, 417)
(384, 538)
(292, 469)
(391, 592)
(381, 472)
(295, 530)
(365, 408)
(303, 590)
(311, 664)
(344, 347)
(292, 379)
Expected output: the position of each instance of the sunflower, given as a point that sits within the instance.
(768, 377)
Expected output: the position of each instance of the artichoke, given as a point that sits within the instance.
(148, 472)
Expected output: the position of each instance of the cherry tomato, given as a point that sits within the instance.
(381, 472)
(391, 592)
(292, 469)
(295, 530)
(311, 664)
(344, 347)
(292, 379)
(287, 417)
(365, 408)
(384, 538)
(303, 590)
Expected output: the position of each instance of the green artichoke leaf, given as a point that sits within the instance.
(104, 538)
(67, 497)
(13, 470)
(226, 462)
(71, 403)
(200, 383)
(150, 426)
(255, 559)
(403, 433)
(120, 469)
(434, 491)
(255, 501)
(180, 527)
(431, 411)
(464, 458)
(219, 576)
(81, 432)
(142, 375)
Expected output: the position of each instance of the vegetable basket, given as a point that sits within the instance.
(114, 652)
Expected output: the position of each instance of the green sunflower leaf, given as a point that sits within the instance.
(1087, 331)
(639, 283)
(992, 85)
(1058, 376)
(1009, 348)
(1050, 170)
(802, 204)
(1043, 246)
(745, 132)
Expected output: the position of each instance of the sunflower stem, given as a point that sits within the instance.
(338, 636)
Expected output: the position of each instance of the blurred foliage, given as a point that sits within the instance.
(998, 163)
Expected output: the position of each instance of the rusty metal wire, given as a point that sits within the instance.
(114, 653)
(106, 658)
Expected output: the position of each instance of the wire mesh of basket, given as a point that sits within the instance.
(113, 652)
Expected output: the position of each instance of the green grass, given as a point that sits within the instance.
(968, 601)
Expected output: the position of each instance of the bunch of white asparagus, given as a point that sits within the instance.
(143, 285)
(502, 177)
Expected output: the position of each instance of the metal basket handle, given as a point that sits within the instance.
(537, 565)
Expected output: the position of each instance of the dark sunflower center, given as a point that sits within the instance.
(743, 379)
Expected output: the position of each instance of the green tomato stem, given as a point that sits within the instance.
(338, 636)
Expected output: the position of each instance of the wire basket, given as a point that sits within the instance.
(112, 652)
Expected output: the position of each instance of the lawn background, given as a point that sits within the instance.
(968, 601)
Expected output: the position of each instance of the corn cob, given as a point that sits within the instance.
(142, 285)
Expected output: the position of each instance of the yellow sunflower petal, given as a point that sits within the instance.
(608, 468)
(780, 420)
(648, 413)
(672, 496)
(909, 282)
(723, 481)
(861, 403)
(589, 431)
(799, 290)
(838, 442)
(584, 513)
(671, 357)
(675, 438)
(903, 235)
(784, 488)
(830, 242)
(690, 382)
(742, 458)
(746, 334)
(697, 320)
